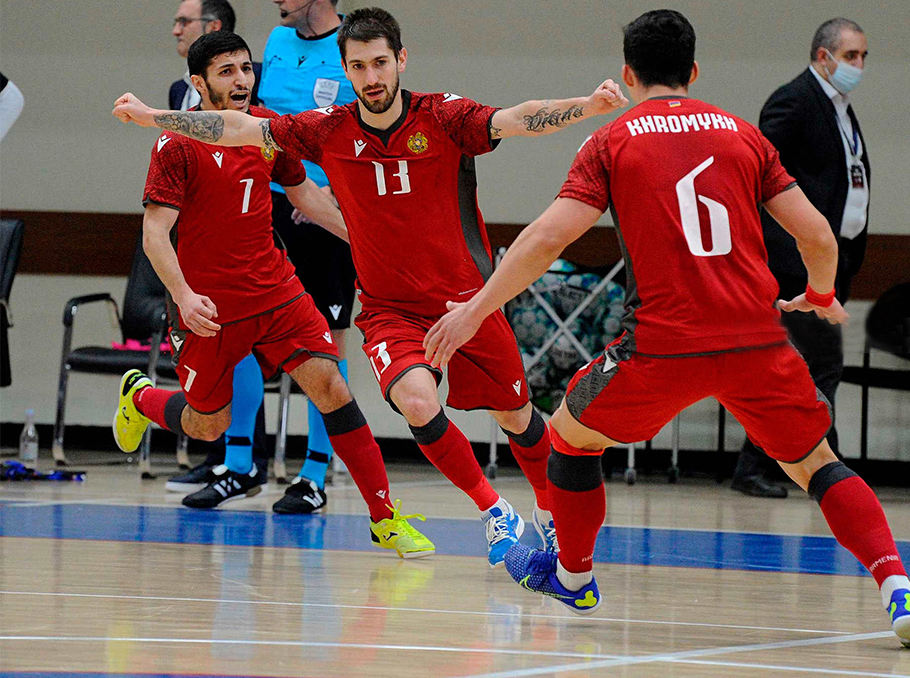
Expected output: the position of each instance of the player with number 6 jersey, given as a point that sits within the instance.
(684, 181)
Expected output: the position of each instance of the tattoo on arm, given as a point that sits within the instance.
(267, 138)
(495, 132)
(201, 125)
(545, 118)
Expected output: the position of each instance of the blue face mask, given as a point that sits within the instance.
(845, 77)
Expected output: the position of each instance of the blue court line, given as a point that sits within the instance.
(453, 537)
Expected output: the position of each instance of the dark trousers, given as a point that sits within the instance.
(821, 346)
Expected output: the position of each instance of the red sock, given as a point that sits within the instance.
(577, 500)
(151, 402)
(531, 450)
(856, 518)
(361, 454)
(449, 451)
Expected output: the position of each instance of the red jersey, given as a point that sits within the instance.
(684, 180)
(224, 233)
(408, 195)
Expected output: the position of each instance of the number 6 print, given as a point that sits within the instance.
(718, 217)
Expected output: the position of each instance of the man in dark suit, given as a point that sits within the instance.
(812, 124)
(195, 18)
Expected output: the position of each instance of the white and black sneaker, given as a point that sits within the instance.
(192, 481)
(302, 496)
(226, 487)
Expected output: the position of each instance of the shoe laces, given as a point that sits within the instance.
(552, 542)
(540, 562)
(498, 529)
(403, 519)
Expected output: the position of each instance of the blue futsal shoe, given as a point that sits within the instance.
(504, 527)
(899, 610)
(535, 571)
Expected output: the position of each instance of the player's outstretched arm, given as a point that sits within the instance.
(528, 258)
(196, 310)
(317, 207)
(536, 118)
(818, 249)
(222, 128)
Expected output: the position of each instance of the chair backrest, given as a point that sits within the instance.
(10, 249)
(144, 301)
(888, 322)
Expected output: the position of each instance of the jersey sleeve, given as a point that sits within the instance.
(775, 179)
(588, 180)
(299, 135)
(168, 173)
(286, 170)
(466, 122)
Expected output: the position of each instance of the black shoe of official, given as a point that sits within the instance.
(226, 487)
(759, 486)
(302, 496)
(192, 481)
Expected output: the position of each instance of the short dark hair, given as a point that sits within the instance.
(660, 47)
(366, 25)
(828, 35)
(210, 45)
(221, 10)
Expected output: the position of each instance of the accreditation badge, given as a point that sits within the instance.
(325, 92)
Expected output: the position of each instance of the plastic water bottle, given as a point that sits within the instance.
(28, 440)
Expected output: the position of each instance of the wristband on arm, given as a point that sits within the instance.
(816, 299)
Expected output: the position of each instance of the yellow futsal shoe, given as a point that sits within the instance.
(129, 423)
(396, 533)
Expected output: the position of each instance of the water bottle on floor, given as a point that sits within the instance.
(28, 440)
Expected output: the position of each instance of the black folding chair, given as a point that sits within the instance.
(10, 249)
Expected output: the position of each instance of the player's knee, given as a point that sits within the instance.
(516, 421)
(417, 408)
(206, 427)
(574, 473)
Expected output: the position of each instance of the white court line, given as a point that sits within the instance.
(24, 503)
(792, 669)
(283, 603)
(306, 643)
(675, 656)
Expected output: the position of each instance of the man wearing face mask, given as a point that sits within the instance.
(811, 122)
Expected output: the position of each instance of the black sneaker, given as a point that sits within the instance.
(191, 481)
(302, 496)
(227, 486)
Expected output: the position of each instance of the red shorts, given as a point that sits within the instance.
(281, 339)
(484, 374)
(769, 390)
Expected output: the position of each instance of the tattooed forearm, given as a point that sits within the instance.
(545, 118)
(495, 132)
(201, 125)
(267, 137)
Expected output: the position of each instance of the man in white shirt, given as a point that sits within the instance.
(811, 122)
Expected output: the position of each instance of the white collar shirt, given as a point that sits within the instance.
(191, 98)
(857, 205)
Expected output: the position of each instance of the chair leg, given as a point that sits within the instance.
(281, 437)
(183, 458)
(721, 443)
(145, 456)
(864, 415)
(57, 446)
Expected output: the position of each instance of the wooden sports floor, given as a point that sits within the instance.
(112, 577)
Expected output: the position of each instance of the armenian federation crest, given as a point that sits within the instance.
(418, 143)
(268, 153)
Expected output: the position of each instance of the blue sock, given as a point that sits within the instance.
(248, 394)
(319, 449)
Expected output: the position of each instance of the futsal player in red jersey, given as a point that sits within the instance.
(401, 165)
(237, 293)
(682, 179)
